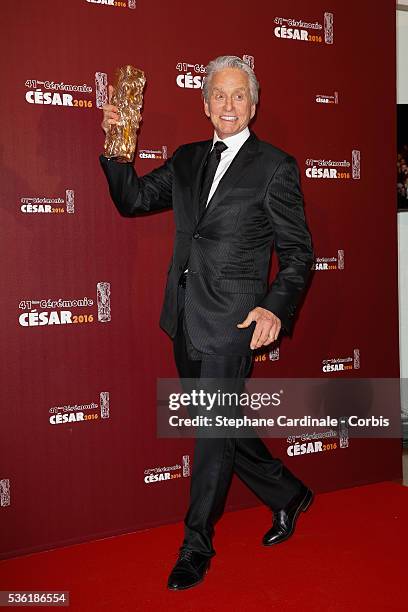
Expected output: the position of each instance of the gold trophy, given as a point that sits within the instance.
(120, 141)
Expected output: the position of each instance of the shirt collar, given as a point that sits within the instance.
(235, 142)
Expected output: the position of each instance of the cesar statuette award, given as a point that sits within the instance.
(120, 141)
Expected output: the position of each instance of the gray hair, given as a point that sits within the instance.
(230, 61)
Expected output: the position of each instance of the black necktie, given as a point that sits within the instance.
(209, 172)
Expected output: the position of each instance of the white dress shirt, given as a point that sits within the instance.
(234, 143)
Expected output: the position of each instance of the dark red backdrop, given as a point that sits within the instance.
(64, 482)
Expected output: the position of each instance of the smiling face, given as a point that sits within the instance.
(229, 103)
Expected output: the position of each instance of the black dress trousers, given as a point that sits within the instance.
(217, 459)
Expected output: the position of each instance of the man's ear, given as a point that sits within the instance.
(253, 109)
(206, 108)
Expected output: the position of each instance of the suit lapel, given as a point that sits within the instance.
(236, 170)
(198, 163)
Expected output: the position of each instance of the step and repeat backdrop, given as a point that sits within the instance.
(81, 286)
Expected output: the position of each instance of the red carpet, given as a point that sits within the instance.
(349, 553)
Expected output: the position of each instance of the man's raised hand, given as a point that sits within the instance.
(267, 327)
(110, 113)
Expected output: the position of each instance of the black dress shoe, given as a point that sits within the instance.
(284, 521)
(190, 569)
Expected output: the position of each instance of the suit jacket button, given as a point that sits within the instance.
(196, 235)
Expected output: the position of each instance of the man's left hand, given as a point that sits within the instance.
(267, 327)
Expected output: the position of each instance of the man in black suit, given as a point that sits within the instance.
(233, 197)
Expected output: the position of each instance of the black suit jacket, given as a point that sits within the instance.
(258, 204)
